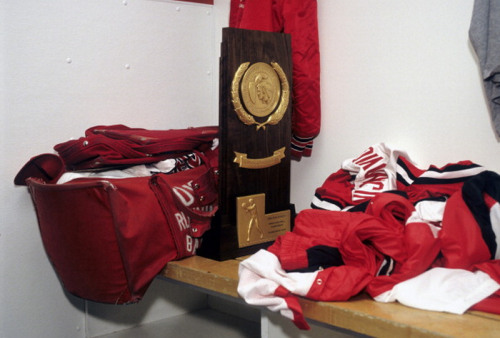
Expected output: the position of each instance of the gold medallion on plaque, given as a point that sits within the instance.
(260, 91)
(264, 90)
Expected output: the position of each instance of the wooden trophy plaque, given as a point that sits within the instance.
(254, 153)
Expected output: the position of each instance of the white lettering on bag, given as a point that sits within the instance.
(192, 244)
(182, 221)
(184, 193)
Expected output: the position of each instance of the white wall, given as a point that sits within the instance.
(67, 65)
(400, 72)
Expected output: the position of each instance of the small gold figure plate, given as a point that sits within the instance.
(254, 225)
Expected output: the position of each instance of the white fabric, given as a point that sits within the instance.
(442, 289)
(261, 274)
(452, 174)
(134, 171)
(140, 170)
(375, 170)
(430, 212)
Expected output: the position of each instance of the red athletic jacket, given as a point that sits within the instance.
(299, 19)
(385, 249)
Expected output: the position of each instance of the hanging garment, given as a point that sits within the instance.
(299, 19)
(484, 34)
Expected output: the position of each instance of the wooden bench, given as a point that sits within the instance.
(360, 314)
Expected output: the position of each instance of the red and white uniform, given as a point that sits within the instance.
(328, 256)
(383, 168)
(440, 252)
(467, 274)
(299, 19)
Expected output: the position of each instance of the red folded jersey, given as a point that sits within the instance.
(118, 145)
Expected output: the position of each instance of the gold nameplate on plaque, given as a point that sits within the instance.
(259, 163)
(264, 90)
(254, 225)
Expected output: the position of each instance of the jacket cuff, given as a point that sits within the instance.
(301, 146)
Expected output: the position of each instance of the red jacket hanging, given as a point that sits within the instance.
(299, 19)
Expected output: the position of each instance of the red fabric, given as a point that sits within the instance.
(337, 189)
(362, 239)
(490, 304)
(301, 147)
(292, 251)
(299, 19)
(330, 228)
(78, 232)
(446, 179)
(462, 244)
(293, 304)
(105, 146)
(422, 249)
(392, 208)
(108, 238)
(46, 167)
(492, 268)
(420, 245)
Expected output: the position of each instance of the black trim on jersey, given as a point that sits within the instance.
(431, 181)
(398, 192)
(302, 139)
(454, 167)
(327, 200)
(296, 147)
(361, 207)
(321, 257)
(472, 192)
(387, 266)
(449, 169)
(399, 178)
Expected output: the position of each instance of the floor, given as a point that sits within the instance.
(202, 323)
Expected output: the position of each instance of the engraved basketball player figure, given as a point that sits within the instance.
(251, 208)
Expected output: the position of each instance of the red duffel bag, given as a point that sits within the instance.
(107, 238)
